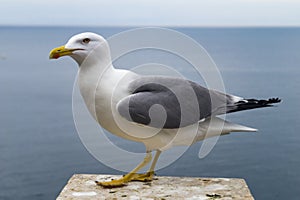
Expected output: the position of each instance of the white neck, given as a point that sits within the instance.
(98, 80)
(92, 70)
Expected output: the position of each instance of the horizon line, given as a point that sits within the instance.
(141, 26)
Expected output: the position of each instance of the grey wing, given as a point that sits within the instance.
(166, 102)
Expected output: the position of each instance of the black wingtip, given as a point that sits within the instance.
(273, 100)
(248, 104)
(260, 102)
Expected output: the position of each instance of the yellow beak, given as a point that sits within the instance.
(59, 52)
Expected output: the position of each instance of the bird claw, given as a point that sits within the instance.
(147, 177)
(113, 183)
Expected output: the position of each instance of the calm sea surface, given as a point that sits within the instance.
(40, 148)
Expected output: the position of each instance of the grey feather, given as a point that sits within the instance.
(182, 102)
(167, 102)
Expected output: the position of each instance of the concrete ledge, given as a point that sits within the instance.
(82, 186)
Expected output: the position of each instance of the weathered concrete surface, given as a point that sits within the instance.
(82, 186)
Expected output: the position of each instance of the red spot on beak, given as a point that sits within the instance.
(56, 55)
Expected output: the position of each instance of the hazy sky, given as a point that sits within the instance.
(151, 12)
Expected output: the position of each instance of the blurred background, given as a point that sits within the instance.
(255, 44)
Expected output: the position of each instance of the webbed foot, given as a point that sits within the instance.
(143, 177)
(114, 183)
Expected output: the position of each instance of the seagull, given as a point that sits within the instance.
(159, 111)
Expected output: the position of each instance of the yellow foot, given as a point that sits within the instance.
(114, 183)
(143, 177)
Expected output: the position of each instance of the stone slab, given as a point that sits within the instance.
(82, 186)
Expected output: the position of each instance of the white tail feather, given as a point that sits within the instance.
(215, 125)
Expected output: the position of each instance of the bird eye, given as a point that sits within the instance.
(86, 40)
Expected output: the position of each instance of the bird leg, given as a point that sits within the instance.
(128, 177)
(149, 175)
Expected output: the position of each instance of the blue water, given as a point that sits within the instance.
(40, 149)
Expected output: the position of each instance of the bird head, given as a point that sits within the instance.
(80, 46)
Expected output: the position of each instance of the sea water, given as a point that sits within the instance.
(40, 148)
